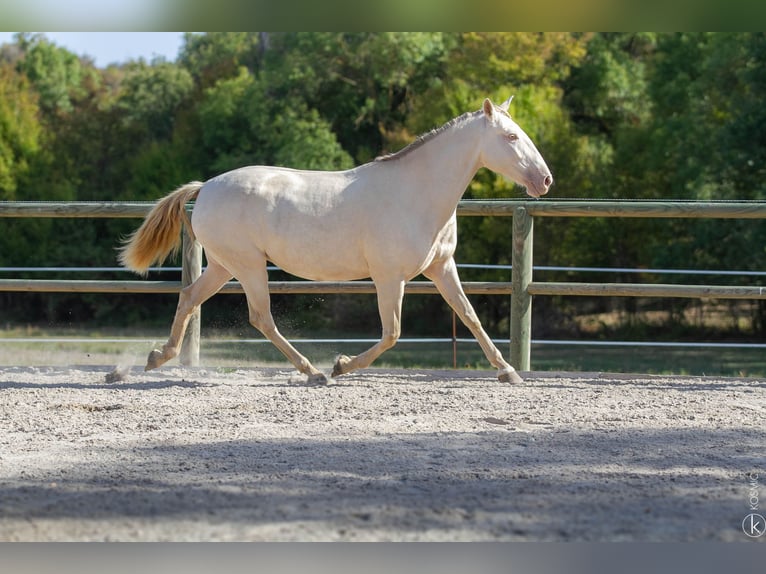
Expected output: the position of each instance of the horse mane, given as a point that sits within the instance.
(427, 137)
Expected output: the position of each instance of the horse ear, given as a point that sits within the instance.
(489, 109)
(506, 104)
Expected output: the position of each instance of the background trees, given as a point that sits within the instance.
(19, 130)
(625, 115)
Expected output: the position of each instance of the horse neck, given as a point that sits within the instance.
(435, 175)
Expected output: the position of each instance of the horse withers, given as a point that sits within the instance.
(389, 220)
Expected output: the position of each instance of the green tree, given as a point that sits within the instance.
(56, 73)
(216, 56)
(242, 125)
(20, 130)
(152, 94)
(607, 98)
(362, 84)
(710, 123)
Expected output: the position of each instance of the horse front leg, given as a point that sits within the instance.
(390, 295)
(445, 277)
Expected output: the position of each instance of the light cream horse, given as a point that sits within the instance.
(390, 220)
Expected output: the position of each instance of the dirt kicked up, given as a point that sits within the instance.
(254, 454)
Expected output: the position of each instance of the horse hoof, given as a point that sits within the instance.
(340, 364)
(510, 377)
(119, 373)
(317, 379)
(154, 360)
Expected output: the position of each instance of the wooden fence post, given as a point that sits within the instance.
(191, 269)
(521, 300)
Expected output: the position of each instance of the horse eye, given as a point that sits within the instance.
(511, 137)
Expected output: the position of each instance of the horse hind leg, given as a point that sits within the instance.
(256, 285)
(208, 284)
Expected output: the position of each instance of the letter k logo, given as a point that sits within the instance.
(754, 525)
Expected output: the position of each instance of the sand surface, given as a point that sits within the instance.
(254, 454)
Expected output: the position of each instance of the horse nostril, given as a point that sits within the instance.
(548, 181)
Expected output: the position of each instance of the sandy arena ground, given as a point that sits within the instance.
(254, 454)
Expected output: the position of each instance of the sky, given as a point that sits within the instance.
(114, 47)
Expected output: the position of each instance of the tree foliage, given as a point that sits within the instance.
(20, 130)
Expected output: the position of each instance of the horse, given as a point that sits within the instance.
(388, 220)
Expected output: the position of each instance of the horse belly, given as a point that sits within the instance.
(314, 253)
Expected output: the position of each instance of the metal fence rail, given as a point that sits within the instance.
(521, 286)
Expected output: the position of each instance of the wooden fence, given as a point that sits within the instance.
(521, 286)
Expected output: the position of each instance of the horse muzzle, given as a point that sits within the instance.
(539, 188)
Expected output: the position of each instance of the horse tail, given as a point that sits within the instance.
(160, 233)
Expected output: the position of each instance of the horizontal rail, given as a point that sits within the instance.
(642, 209)
(647, 290)
(402, 340)
(663, 344)
(233, 287)
(413, 287)
(649, 209)
(75, 209)
(486, 267)
(466, 207)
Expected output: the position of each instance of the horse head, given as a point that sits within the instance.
(509, 151)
